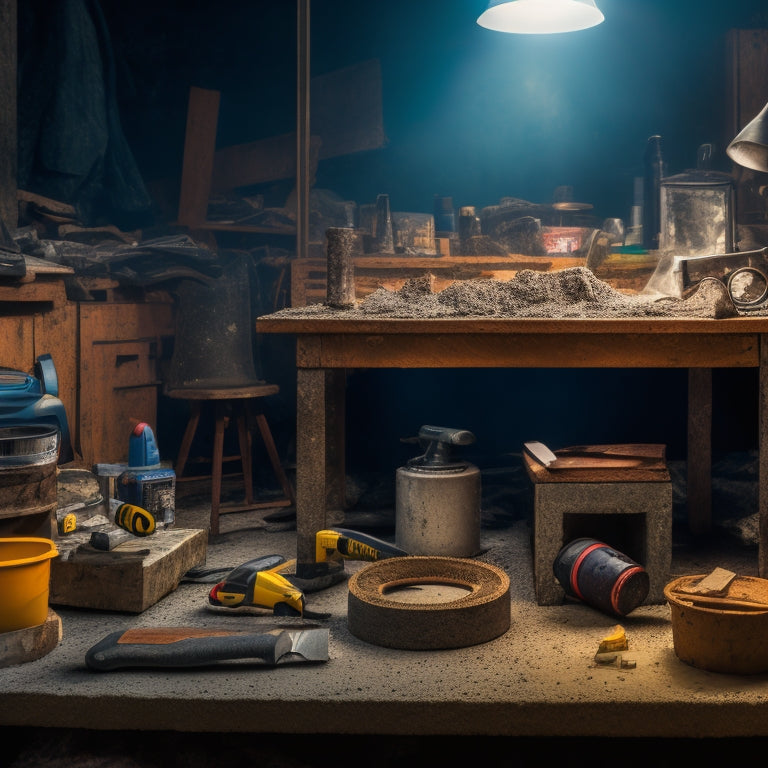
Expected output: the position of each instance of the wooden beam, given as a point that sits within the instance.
(302, 127)
(199, 151)
(9, 209)
(258, 162)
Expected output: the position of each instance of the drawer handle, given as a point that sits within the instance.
(143, 385)
(124, 359)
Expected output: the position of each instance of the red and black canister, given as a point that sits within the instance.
(601, 576)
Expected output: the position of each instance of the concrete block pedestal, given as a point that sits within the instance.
(632, 516)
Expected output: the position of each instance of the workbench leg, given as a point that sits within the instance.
(699, 465)
(762, 462)
(335, 453)
(311, 496)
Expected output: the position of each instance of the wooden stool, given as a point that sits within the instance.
(232, 403)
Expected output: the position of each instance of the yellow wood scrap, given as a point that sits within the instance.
(616, 640)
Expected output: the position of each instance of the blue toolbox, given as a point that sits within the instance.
(33, 400)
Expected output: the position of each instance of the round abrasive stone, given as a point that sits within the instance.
(477, 608)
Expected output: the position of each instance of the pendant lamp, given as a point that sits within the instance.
(540, 17)
(750, 147)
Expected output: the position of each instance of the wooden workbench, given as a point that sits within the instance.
(332, 343)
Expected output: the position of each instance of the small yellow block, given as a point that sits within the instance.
(615, 641)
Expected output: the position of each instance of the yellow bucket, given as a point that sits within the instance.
(25, 574)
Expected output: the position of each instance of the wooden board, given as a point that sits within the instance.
(590, 457)
(31, 643)
(538, 473)
(125, 583)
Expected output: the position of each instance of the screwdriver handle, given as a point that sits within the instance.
(129, 517)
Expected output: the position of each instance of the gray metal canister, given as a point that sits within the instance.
(438, 513)
(437, 499)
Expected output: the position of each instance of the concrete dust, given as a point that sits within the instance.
(568, 293)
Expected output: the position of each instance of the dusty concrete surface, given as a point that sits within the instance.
(537, 685)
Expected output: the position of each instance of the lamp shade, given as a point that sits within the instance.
(540, 17)
(750, 147)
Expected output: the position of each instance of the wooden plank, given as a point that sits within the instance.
(42, 291)
(128, 584)
(101, 323)
(9, 209)
(258, 162)
(17, 343)
(541, 474)
(716, 581)
(348, 324)
(479, 350)
(199, 149)
(303, 174)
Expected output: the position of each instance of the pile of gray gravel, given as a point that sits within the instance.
(569, 293)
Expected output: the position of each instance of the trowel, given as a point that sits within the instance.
(193, 647)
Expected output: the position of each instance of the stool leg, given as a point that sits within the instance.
(269, 443)
(189, 434)
(244, 437)
(216, 468)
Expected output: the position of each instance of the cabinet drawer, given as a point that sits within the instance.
(120, 346)
(126, 364)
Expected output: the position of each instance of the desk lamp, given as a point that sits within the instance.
(540, 17)
(750, 147)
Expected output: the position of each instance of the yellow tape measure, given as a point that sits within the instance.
(135, 519)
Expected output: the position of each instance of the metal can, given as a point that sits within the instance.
(597, 574)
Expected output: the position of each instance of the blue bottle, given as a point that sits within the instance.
(142, 449)
(145, 483)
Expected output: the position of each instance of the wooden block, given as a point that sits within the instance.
(31, 643)
(652, 473)
(714, 583)
(125, 583)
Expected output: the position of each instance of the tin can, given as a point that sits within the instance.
(597, 574)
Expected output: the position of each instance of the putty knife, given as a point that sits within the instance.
(192, 647)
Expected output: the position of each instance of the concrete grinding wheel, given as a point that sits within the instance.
(477, 608)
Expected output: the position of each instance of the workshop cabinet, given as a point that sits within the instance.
(36, 319)
(120, 348)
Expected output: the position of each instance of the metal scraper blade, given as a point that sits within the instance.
(540, 452)
(307, 644)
